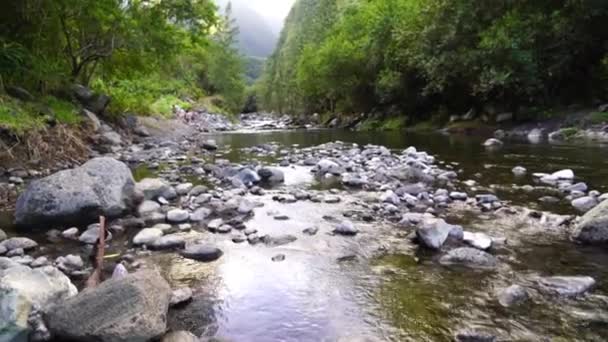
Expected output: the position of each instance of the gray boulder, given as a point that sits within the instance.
(148, 207)
(147, 236)
(584, 204)
(102, 186)
(22, 290)
(327, 166)
(593, 227)
(177, 215)
(171, 241)
(18, 243)
(247, 177)
(467, 256)
(132, 308)
(345, 228)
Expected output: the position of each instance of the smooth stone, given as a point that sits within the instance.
(239, 238)
(474, 335)
(345, 228)
(584, 204)
(468, 256)
(184, 188)
(390, 197)
(567, 286)
(177, 216)
(519, 171)
(19, 242)
(566, 174)
(148, 207)
(180, 296)
(40, 261)
(153, 188)
(458, 196)
(493, 143)
(147, 236)
(271, 175)
(224, 229)
(171, 241)
(202, 252)
(250, 231)
(278, 257)
(279, 240)
(512, 295)
(183, 336)
(215, 224)
(200, 214)
(331, 199)
(477, 240)
(593, 226)
(69, 262)
(281, 217)
(70, 233)
(15, 252)
(310, 231)
(120, 271)
(3, 235)
(91, 235)
(433, 233)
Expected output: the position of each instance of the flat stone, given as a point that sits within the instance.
(467, 256)
(584, 204)
(171, 241)
(184, 188)
(202, 252)
(177, 216)
(278, 257)
(148, 207)
(279, 240)
(567, 286)
(281, 217)
(474, 335)
(566, 174)
(519, 171)
(147, 236)
(19, 242)
(200, 214)
(477, 240)
(70, 233)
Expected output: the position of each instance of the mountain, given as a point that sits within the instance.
(259, 24)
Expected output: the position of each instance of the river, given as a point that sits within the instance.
(377, 286)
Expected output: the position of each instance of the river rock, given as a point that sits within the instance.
(181, 336)
(70, 233)
(279, 240)
(171, 241)
(345, 228)
(584, 204)
(326, 166)
(535, 136)
(18, 243)
(184, 188)
(128, 309)
(467, 256)
(477, 240)
(180, 296)
(492, 143)
(247, 177)
(153, 188)
(202, 252)
(120, 271)
(474, 335)
(200, 214)
(433, 233)
(519, 171)
(566, 174)
(90, 235)
(565, 286)
(209, 145)
(3, 235)
(147, 236)
(148, 207)
(69, 263)
(310, 231)
(101, 186)
(512, 295)
(593, 226)
(177, 216)
(390, 197)
(271, 175)
(22, 289)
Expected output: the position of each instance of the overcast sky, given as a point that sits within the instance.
(273, 11)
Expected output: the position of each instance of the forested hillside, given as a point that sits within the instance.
(417, 58)
(146, 56)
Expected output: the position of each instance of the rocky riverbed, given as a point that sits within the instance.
(307, 236)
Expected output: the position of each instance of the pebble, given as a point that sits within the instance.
(278, 257)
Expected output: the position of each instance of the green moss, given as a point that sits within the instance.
(569, 131)
(394, 123)
(370, 125)
(598, 117)
(164, 105)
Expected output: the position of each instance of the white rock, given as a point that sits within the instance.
(177, 215)
(477, 240)
(147, 236)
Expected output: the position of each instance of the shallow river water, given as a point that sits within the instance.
(336, 289)
(379, 287)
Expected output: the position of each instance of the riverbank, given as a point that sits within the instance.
(388, 242)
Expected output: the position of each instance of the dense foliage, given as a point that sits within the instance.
(418, 57)
(147, 55)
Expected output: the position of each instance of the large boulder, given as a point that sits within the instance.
(131, 308)
(593, 227)
(102, 186)
(96, 103)
(23, 290)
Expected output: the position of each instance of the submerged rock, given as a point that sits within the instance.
(512, 295)
(271, 175)
(101, 186)
(467, 256)
(565, 286)
(132, 308)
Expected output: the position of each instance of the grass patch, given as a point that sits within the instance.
(164, 106)
(394, 124)
(64, 111)
(17, 116)
(598, 117)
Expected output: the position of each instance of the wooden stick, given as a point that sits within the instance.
(98, 255)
